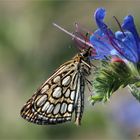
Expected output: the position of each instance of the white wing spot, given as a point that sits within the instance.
(56, 109)
(42, 100)
(67, 93)
(66, 81)
(68, 118)
(39, 116)
(63, 108)
(50, 108)
(44, 118)
(59, 119)
(57, 92)
(70, 107)
(56, 79)
(46, 106)
(72, 95)
(45, 88)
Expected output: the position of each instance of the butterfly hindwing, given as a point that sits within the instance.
(54, 102)
(61, 95)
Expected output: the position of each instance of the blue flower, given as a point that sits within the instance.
(124, 43)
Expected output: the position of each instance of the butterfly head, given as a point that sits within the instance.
(85, 54)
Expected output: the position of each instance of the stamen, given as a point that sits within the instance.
(77, 27)
(82, 28)
(104, 39)
(85, 37)
(114, 44)
(73, 35)
(119, 25)
(80, 34)
(78, 43)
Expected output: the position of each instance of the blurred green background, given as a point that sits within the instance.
(31, 48)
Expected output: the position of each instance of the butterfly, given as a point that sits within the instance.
(62, 94)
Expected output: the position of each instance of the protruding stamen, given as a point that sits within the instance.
(119, 25)
(79, 34)
(73, 35)
(77, 27)
(80, 28)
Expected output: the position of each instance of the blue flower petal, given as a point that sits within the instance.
(99, 17)
(128, 45)
(128, 24)
(123, 44)
(101, 44)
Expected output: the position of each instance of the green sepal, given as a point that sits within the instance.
(135, 90)
(109, 77)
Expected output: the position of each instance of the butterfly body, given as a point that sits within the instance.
(61, 95)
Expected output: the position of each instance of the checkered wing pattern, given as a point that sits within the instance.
(61, 95)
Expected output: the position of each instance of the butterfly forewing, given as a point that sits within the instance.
(59, 96)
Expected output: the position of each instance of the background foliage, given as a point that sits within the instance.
(31, 49)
